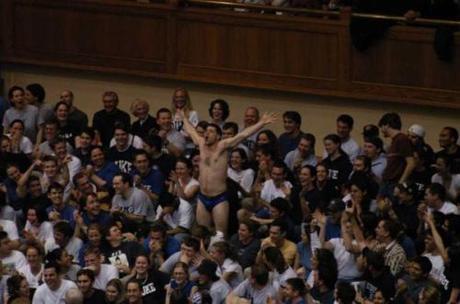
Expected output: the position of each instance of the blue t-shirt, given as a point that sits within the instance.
(67, 214)
(103, 218)
(305, 254)
(153, 181)
(108, 172)
(172, 246)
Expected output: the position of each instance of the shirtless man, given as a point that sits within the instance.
(212, 200)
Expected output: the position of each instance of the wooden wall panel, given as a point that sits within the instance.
(290, 53)
(91, 36)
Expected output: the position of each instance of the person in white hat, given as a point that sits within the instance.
(416, 134)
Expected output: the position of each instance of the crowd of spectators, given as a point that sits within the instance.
(132, 212)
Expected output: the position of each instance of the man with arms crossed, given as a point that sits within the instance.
(212, 200)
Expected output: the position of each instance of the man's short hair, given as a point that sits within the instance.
(65, 228)
(216, 127)
(192, 242)
(74, 296)
(310, 138)
(52, 264)
(294, 116)
(89, 131)
(345, 293)
(111, 94)
(375, 141)
(92, 250)
(125, 178)
(163, 110)
(87, 272)
(346, 119)
(452, 132)
(280, 204)
(121, 126)
(281, 224)
(12, 89)
(231, 125)
(159, 227)
(251, 225)
(279, 164)
(58, 141)
(167, 199)
(260, 274)
(393, 120)
(438, 190)
(424, 263)
(55, 186)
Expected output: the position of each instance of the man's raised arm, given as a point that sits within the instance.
(197, 139)
(266, 119)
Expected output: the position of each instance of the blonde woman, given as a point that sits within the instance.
(145, 122)
(181, 101)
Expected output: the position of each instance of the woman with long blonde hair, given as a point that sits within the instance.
(181, 101)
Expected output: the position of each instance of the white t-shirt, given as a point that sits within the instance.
(219, 291)
(279, 279)
(73, 247)
(44, 295)
(43, 232)
(33, 280)
(244, 178)
(270, 192)
(256, 296)
(107, 273)
(437, 270)
(231, 266)
(10, 228)
(346, 263)
(447, 208)
(25, 146)
(14, 261)
(454, 184)
(191, 183)
(182, 217)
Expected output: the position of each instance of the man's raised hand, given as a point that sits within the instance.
(269, 118)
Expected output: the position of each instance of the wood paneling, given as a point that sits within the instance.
(291, 53)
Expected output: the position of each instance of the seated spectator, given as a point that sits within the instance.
(410, 285)
(277, 186)
(76, 116)
(103, 273)
(35, 95)
(325, 279)
(104, 121)
(435, 199)
(238, 170)
(59, 210)
(251, 117)
(180, 287)
(218, 112)
(160, 245)
(85, 281)
(120, 253)
(101, 171)
(7, 157)
(176, 213)
(373, 148)
(280, 270)
(92, 214)
(445, 177)
(295, 291)
(182, 184)
(19, 142)
(54, 288)
(67, 130)
(147, 178)
(18, 289)
(277, 238)
(37, 227)
(337, 161)
(161, 160)
(289, 140)
(215, 287)
(123, 150)
(11, 259)
(345, 293)
(114, 292)
(227, 266)
(50, 132)
(152, 281)
(303, 155)
(28, 114)
(33, 270)
(145, 122)
(245, 243)
(268, 138)
(405, 208)
(327, 188)
(130, 201)
(133, 292)
(257, 289)
(229, 130)
(84, 144)
(64, 238)
(173, 141)
(61, 257)
(386, 234)
(189, 254)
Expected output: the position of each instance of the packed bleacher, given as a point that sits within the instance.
(185, 207)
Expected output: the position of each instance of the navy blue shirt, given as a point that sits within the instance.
(153, 181)
(67, 213)
(171, 246)
(108, 172)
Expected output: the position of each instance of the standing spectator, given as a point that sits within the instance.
(67, 130)
(344, 127)
(104, 120)
(22, 111)
(289, 140)
(416, 134)
(245, 243)
(123, 150)
(173, 141)
(54, 288)
(50, 134)
(82, 152)
(114, 292)
(182, 184)
(133, 293)
(386, 233)
(181, 101)
(219, 112)
(303, 155)
(10, 259)
(400, 155)
(448, 141)
(337, 161)
(251, 117)
(238, 170)
(145, 122)
(101, 171)
(75, 115)
(19, 142)
(176, 213)
(277, 186)
(373, 148)
(35, 95)
(435, 198)
(146, 177)
(103, 273)
(85, 280)
(132, 202)
(278, 238)
(217, 288)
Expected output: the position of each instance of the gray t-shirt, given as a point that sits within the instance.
(219, 291)
(292, 156)
(256, 296)
(28, 115)
(137, 202)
